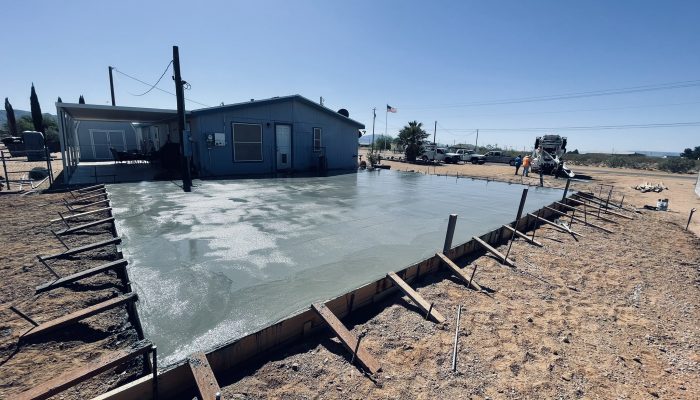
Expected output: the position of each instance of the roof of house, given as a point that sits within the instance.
(96, 112)
(281, 99)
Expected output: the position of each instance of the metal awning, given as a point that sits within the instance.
(94, 112)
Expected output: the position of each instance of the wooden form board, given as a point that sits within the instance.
(77, 316)
(80, 275)
(74, 209)
(591, 224)
(600, 217)
(523, 236)
(85, 198)
(347, 338)
(603, 209)
(494, 252)
(416, 298)
(459, 272)
(73, 377)
(207, 385)
(85, 226)
(87, 247)
(559, 227)
(88, 193)
(67, 217)
(89, 188)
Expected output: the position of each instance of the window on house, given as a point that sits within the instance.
(247, 142)
(317, 139)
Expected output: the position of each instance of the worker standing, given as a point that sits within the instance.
(517, 162)
(526, 165)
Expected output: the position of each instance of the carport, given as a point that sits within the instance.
(94, 136)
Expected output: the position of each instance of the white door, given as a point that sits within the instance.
(283, 136)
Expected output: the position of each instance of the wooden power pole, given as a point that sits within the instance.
(184, 149)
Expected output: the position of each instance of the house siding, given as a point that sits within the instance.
(339, 138)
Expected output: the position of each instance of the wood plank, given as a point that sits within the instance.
(603, 209)
(494, 252)
(523, 236)
(87, 247)
(85, 226)
(74, 209)
(575, 218)
(207, 386)
(67, 217)
(80, 315)
(458, 271)
(81, 275)
(90, 193)
(83, 199)
(416, 298)
(87, 189)
(75, 376)
(347, 338)
(559, 227)
(586, 212)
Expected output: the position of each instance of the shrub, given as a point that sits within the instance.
(38, 173)
(677, 164)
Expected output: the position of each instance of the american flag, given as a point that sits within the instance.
(390, 109)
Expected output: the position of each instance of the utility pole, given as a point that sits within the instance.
(374, 118)
(184, 150)
(476, 144)
(111, 84)
(434, 135)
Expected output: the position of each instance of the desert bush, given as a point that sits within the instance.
(677, 164)
(38, 173)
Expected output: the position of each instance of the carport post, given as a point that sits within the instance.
(111, 85)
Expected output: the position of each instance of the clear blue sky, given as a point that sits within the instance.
(416, 56)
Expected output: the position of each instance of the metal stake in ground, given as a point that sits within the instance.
(517, 219)
(450, 233)
(357, 347)
(155, 372)
(692, 211)
(4, 167)
(454, 349)
(566, 189)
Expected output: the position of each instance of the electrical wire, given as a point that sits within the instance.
(582, 128)
(566, 96)
(157, 82)
(157, 88)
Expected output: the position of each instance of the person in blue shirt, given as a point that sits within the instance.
(518, 163)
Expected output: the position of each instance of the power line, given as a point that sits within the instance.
(157, 82)
(157, 88)
(566, 96)
(582, 128)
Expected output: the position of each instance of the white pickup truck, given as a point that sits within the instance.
(431, 153)
(455, 155)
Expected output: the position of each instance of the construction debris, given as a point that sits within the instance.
(648, 187)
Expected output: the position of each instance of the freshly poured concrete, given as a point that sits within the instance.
(234, 256)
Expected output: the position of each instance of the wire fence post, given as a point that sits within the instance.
(48, 164)
(4, 167)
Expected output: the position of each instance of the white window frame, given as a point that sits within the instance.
(234, 142)
(320, 139)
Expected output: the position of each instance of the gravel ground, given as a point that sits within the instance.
(25, 233)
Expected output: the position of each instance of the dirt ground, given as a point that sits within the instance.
(25, 233)
(611, 316)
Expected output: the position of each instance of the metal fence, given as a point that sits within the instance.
(24, 176)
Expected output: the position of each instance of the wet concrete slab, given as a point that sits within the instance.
(234, 256)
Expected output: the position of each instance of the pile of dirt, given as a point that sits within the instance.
(26, 363)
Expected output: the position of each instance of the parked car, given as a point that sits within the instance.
(430, 153)
(455, 155)
(493, 156)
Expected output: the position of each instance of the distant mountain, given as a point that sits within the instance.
(18, 114)
(658, 153)
(367, 138)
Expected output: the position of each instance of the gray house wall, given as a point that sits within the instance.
(338, 138)
(82, 129)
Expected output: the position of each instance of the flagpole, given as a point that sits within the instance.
(374, 118)
(386, 124)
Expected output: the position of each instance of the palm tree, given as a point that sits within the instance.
(412, 136)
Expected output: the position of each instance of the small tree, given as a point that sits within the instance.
(11, 121)
(37, 117)
(59, 100)
(412, 136)
(81, 100)
(693, 154)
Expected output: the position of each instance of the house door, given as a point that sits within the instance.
(103, 140)
(283, 136)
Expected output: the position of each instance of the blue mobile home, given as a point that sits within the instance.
(290, 133)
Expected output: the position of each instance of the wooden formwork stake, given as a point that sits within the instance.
(85, 226)
(459, 272)
(74, 209)
(522, 235)
(599, 208)
(591, 224)
(416, 298)
(585, 213)
(87, 189)
(452, 223)
(494, 252)
(559, 227)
